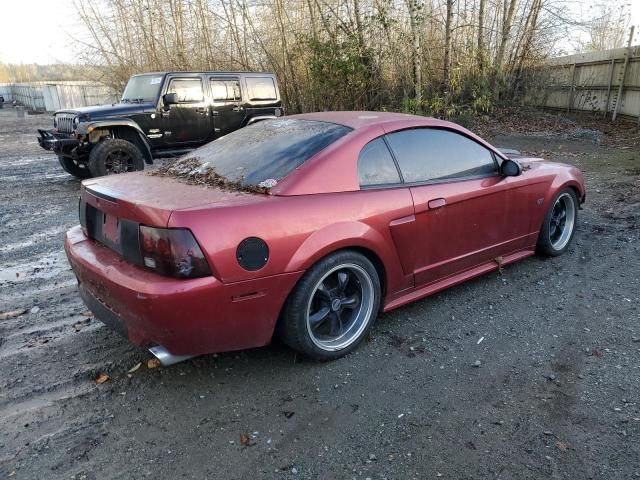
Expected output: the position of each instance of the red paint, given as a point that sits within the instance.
(426, 237)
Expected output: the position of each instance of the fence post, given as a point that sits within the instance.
(624, 73)
(606, 105)
(572, 87)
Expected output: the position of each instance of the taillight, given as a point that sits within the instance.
(173, 252)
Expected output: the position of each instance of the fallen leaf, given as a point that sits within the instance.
(153, 363)
(87, 313)
(100, 379)
(244, 439)
(564, 446)
(135, 367)
(12, 314)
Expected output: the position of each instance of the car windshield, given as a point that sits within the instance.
(142, 88)
(267, 151)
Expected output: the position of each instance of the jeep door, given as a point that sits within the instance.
(187, 122)
(227, 110)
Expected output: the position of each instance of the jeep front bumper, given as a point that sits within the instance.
(58, 142)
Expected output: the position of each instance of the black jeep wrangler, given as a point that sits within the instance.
(160, 115)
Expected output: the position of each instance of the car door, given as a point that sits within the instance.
(462, 210)
(228, 111)
(188, 122)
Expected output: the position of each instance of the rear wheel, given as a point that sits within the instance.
(115, 155)
(559, 224)
(72, 167)
(332, 307)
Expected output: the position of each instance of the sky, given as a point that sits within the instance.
(39, 31)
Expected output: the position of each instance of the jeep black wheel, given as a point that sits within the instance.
(72, 167)
(115, 156)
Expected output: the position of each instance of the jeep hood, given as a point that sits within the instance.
(97, 112)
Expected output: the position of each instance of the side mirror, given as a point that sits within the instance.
(170, 99)
(511, 168)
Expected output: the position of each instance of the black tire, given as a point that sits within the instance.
(78, 170)
(115, 156)
(548, 244)
(294, 327)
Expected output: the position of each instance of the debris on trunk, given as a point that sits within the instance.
(196, 172)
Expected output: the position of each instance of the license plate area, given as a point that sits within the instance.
(103, 228)
(118, 234)
(111, 228)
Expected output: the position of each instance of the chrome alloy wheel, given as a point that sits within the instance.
(563, 219)
(340, 307)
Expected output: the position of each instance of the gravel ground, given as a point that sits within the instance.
(555, 395)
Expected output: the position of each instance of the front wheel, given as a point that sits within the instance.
(114, 156)
(72, 167)
(559, 224)
(332, 307)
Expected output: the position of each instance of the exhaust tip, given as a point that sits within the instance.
(167, 358)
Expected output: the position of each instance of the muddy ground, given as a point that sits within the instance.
(556, 395)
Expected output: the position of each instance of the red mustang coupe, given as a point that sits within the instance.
(309, 226)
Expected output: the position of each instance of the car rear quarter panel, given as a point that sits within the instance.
(300, 230)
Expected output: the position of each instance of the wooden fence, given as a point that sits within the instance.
(606, 82)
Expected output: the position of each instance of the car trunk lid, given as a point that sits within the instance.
(112, 208)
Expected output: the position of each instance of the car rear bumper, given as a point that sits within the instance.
(60, 143)
(187, 317)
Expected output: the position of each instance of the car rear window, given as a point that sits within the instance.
(268, 150)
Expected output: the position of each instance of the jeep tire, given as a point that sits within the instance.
(114, 155)
(72, 167)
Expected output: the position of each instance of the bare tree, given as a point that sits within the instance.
(332, 54)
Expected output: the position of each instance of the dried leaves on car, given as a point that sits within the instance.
(196, 172)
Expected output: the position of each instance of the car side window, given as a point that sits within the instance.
(376, 165)
(188, 90)
(431, 154)
(261, 88)
(225, 90)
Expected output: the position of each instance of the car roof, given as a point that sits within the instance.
(194, 72)
(360, 119)
(334, 169)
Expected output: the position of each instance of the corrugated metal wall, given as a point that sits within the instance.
(52, 96)
(591, 81)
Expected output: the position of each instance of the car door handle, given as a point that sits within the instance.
(437, 203)
(237, 109)
(201, 110)
(215, 113)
